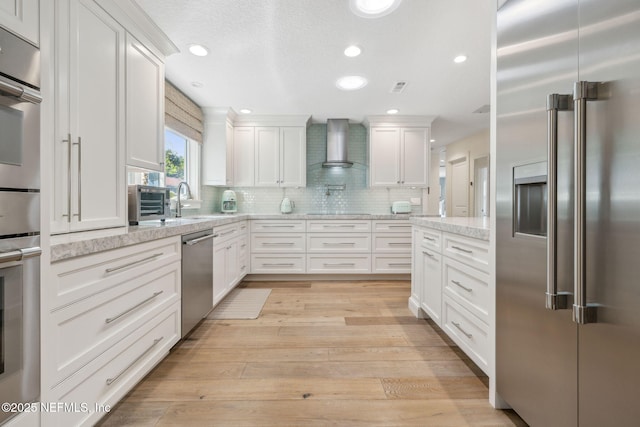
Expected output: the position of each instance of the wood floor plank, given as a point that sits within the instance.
(258, 389)
(338, 353)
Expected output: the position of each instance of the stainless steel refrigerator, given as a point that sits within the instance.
(568, 211)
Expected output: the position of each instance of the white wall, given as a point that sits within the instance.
(474, 146)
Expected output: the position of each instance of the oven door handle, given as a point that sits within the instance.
(20, 254)
(20, 92)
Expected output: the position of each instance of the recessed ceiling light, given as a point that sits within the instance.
(392, 111)
(432, 140)
(352, 51)
(460, 59)
(351, 82)
(198, 50)
(245, 111)
(373, 8)
(196, 84)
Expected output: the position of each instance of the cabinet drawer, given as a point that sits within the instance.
(473, 252)
(279, 226)
(336, 225)
(277, 263)
(86, 329)
(468, 332)
(391, 226)
(467, 286)
(109, 377)
(429, 239)
(392, 242)
(338, 264)
(282, 243)
(387, 263)
(338, 243)
(225, 233)
(79, 278)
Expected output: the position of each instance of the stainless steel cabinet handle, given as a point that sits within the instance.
(340, 264)
(399, 264)
(277, 244)
(582, 92)
(283, 264)
(428, 254)
(131, 264)
(277, 226)
(458, 327)
(339, 226)
(68, 141)
(554, 300)
(228, 232)
(129, 310)
(399, 244)
(455, 282)
(79, 144)
(399, 226)
(144, 353)
(199, 239)
(338, 243)
(468, 251)
(431, 239)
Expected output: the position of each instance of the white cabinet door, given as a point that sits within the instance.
(243, 156)
(267, 166)
(89, 157)
(431, 302)
(218, 152)
(22, 17)
(293, 157)
(385, 157)
(228, 137)
(144, 108)
(219, 272)
(232, 264)
(415, 157)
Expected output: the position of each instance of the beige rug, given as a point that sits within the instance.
(241, 304)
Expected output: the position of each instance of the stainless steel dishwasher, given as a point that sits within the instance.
(197, 278)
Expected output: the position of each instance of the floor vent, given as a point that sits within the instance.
(398, 87)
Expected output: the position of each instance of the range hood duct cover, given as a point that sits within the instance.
(337, 141)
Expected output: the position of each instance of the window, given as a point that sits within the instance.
(182, 163)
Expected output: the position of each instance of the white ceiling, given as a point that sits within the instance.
(284, 56)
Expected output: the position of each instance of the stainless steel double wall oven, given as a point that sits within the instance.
(19, 221)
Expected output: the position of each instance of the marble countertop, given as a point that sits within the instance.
(73, 245)
(477, 228)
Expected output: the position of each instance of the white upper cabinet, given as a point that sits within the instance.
(89, 170)
(281, 157)
(144, 107)
(217, 149)
(22, 17)
(398, 151)
(243, 156)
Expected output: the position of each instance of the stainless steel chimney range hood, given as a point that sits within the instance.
(337, 141)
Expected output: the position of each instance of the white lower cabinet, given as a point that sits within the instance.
(229, 258)
(391, 246)
(278, 246)
(111, 317)
(450, 283)
(338, 246)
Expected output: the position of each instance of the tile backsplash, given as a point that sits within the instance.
(328, 190)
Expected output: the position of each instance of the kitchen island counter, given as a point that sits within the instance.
(477, 228)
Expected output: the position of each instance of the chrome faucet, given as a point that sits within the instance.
(178, 204)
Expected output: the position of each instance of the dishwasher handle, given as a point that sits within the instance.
(199, 239)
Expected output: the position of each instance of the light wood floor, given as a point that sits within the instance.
(321, 353)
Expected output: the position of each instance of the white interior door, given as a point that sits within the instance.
(459, 180)
(481, 186)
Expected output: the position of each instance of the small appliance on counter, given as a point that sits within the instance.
(286, 206)
(229, 202)
(401, 207)
(147, 203)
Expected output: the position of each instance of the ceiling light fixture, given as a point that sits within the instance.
(196, 84)
(373, 8)
(392, 111)
(460, 59)
(352, 51)
(432, 140)
(245, 111)
(198, 50)
(351, 82)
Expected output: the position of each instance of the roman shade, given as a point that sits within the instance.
(181, 113)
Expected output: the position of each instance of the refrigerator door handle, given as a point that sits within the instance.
(555, 102)
(583, 92)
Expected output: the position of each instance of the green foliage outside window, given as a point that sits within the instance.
(174, 164)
